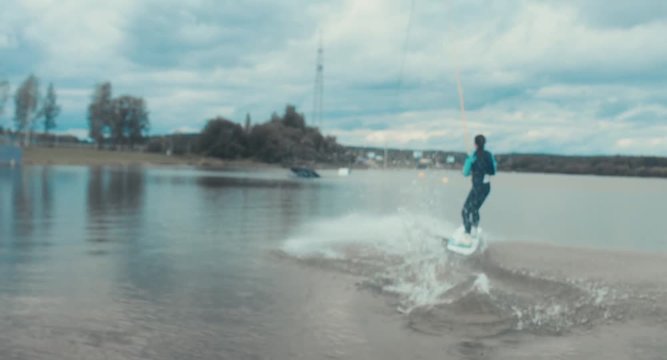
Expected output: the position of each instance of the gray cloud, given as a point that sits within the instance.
(543, 75)
(209, 34)
(621, 14)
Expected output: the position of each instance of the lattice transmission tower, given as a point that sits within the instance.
(318, 92)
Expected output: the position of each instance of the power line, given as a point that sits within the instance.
(405, 49)
(318, 91)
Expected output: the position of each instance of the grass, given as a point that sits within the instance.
(93, 157)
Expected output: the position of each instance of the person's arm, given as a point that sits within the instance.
(467, 166)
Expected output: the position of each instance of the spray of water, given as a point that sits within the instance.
(402, 256)
(399, 254)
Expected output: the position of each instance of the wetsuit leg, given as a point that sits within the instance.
(468, 207)
(482, 193)
(472, 205)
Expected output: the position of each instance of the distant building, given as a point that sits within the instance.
(424, 163)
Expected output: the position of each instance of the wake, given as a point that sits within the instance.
(401, 257)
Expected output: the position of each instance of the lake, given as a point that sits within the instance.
(181, 263)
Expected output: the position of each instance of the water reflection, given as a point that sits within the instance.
(29, 212)
(118, 225)
(241, 206)
(22, 207)
(26, 210)
(46, 195)
(115, 204)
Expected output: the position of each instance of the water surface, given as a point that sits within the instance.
(172, 263)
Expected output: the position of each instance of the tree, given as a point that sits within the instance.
(100, 112)
(284, 139)
(129, 120)
(293, 118)
(248, 123)
(287, 139)
(26, 104)
(267, 142)
(137, 122)
(4, 95)
(223, 139)
(119, 111)
(123, 120)
(50, 109)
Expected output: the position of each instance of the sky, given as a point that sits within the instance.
(549, 76)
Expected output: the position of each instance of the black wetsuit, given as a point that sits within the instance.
(480, 165)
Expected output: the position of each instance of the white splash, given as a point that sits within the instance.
(482, 284)
(404, 250)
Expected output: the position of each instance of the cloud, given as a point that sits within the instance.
(646, 145)
(573, 76)
(76, 37)
(620, 14)
(6, 41)
(646, 114)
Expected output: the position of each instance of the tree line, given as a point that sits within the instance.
(283, 139)
(117, 121)
(123, 122)
(641, 166)
(30, 107)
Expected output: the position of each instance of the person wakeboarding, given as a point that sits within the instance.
(481, 165)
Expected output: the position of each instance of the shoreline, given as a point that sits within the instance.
(94, 157)
(45, 156)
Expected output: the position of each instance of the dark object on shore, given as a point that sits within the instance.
(10, 154)
(304, 172)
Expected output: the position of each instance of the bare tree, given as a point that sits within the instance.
(129, 122)
(100, 112)
(26, 106)
(248, 123)
(50, 110)
(4, 95)
(137, 122)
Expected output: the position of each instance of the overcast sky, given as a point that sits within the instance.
(557, 76)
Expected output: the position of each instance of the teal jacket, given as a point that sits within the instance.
(480, 168)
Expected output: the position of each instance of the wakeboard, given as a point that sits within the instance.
(455, 244)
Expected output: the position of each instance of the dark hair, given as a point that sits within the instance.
(480, 140)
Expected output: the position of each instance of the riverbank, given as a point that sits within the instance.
(93, 157)
(635, 166)
(572, 165)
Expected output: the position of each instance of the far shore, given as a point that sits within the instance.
(94, 157)
(604, 166)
